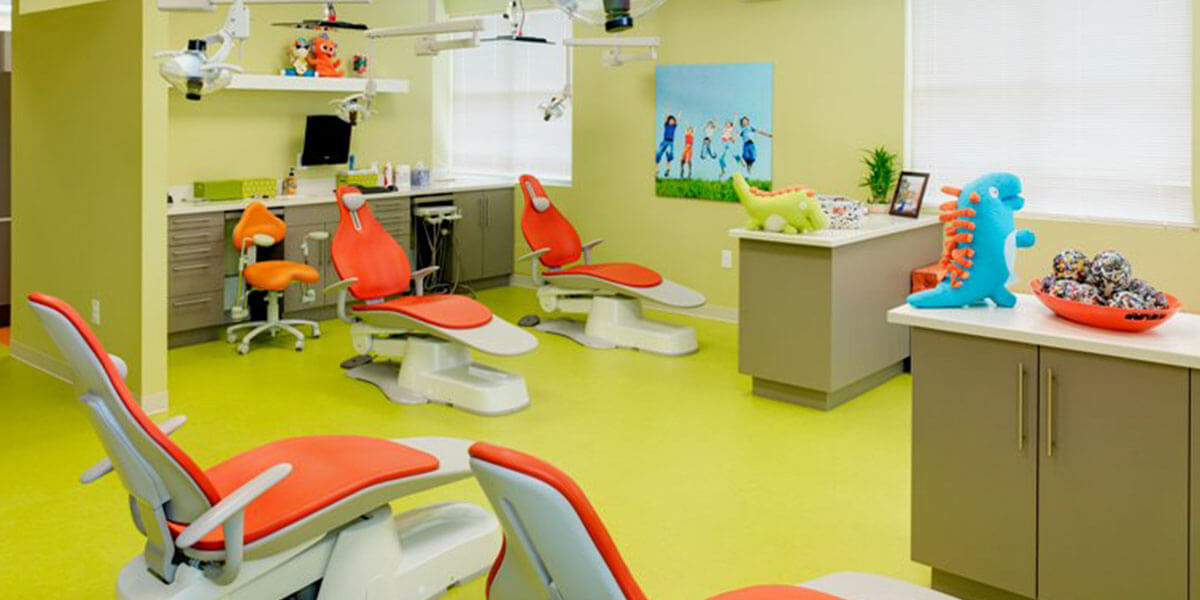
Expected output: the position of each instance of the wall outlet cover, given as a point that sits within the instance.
(95, 311)
(727, 259)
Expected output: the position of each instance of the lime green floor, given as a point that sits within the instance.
(704, 487)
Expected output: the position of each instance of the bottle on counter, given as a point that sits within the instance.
(289, 183)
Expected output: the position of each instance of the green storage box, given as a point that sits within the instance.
(364, 180)
(235, 189)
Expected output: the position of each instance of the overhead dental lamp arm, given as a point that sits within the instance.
(429, 44)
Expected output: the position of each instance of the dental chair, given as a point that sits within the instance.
(302, 518)
(432, 334)
(556, 547)
(258, 228)
(610, 294)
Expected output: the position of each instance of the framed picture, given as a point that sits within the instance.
(712, 121)
(910, 193)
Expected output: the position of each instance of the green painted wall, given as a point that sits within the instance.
(237, 134)
(87, 195)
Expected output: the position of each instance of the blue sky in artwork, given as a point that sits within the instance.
(699, 93)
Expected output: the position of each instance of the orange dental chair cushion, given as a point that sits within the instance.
(775, 592)
(257, 220)
(450, 312)
(277, 275)
(548, 228)
(622, 273)
(325, 470)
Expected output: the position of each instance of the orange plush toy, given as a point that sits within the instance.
(324, 58)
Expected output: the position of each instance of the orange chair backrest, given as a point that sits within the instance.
(362, 248)
(256, 220)
(548, 228)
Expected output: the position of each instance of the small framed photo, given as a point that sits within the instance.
(910, 193)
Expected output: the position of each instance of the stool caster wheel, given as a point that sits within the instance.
(299, 346)
(316, 334)
(231, 338)
(243, 349)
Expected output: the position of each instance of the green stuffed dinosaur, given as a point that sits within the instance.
(794, 210)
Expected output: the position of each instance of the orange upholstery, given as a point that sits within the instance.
(131, 404)
(623, 273)
(325, 470)
(548, 474)
(450, 312)
(548, 229)
(776, 592)
(368, 253)
(277, 275)
(256, 220)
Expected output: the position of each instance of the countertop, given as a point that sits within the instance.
(1175, 343)
(874, 226)
(450, 186)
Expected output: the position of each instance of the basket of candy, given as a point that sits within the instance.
(843, 212)
(1102, 292)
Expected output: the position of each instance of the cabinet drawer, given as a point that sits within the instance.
(195, 276)
(311, 215)
(207, 221)
(397, 227)
(391, 205)
(196, 236)
(194, 311)
(194, 252)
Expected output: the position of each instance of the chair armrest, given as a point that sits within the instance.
(534, 267)
(587, 250)
(343, 291)
(105, 466)
(230, 515)
(419, 276)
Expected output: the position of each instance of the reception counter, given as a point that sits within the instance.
(812, 307)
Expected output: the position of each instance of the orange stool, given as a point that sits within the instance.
(258, 228)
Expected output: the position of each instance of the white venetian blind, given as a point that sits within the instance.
(497, 128)
(1089, 101)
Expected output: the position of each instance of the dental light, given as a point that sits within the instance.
(356, 108)
(615, 15)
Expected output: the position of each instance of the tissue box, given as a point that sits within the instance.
(843, 212)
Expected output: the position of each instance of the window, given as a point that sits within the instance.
(1089, 101)
(496, 126)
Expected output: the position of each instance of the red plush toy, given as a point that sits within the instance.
(324, 58)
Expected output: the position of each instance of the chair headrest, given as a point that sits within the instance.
(354, 201)
(541, 203)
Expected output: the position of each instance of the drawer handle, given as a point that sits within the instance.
(191, 221)
(192, 236)
(1050, 413)
(1021, 406)
(194, 302)
(192, 252)
(190, 268)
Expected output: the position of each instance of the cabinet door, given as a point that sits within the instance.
(498, 234)
(5, 262)
(468, 236)
(974, 477)
(293, 251)
(1113, 497)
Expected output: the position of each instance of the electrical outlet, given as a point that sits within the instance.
(95, 311)
(727, 259)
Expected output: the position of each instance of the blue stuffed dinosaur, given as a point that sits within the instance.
(981, 248)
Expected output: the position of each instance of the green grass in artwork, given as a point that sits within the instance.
(704, 190)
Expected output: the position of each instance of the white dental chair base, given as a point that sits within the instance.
(439, 372)
(417, 555)
(613, 322)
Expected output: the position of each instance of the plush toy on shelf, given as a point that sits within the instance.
(298, 57)
(324, 58)
(981, 245)
(794, 210)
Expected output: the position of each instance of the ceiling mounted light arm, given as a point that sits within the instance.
(429, 44)
(556, 106)
(616, 55)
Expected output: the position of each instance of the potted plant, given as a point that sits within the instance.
(882, 170)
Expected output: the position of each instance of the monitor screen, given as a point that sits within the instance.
(326, 141)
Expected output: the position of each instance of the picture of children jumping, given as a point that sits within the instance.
(733, 102)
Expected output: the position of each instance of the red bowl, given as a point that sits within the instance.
(1107, 317)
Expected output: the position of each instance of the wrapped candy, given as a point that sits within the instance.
(1157, 300)
(1110, 272)
(1048, 283)
(1127, 300)
(1141, 288)
(1088, 294)
(1068, 289)
(1071, 264)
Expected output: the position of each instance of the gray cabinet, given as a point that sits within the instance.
(975, 459)
(483, 238)
(195, 271)
(5, 270)
(1113, 494)
(1050, 474)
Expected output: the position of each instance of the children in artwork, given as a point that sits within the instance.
(706, 150)
(726, 145)
(666, 149)
(685, 161)
(749, 154)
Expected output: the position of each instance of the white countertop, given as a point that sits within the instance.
(1176, 342)
(874, 226)
(449, 186)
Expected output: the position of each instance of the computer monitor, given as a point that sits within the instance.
(326, 141)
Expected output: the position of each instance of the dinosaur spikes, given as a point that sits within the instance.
(974, 198)
(952, 191)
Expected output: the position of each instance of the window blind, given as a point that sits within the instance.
(497, 128)
(1089, 101)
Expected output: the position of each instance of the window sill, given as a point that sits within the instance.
(1111, 222)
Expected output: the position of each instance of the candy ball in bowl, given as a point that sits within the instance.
(1101, 291)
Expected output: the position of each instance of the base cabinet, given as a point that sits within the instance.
(1049, 474)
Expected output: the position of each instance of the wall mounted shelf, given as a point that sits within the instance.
(344, 85)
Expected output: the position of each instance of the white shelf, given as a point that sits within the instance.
(343, 85)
